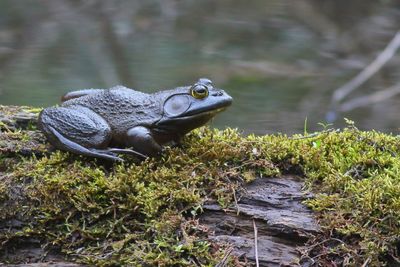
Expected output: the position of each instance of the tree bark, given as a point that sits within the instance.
(283, 223)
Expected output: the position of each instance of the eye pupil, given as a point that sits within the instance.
(201, 90)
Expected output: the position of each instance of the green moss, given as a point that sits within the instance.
(144, 214)
(132, 213)
(3, 192)
(32, 110)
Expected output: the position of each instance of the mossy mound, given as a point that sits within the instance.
(144, 214)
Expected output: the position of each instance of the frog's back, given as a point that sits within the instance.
(121, 107)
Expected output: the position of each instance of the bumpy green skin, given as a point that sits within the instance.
(141, 215)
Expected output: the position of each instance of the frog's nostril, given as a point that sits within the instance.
(217, 94)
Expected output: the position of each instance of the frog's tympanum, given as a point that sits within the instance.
(105, 122)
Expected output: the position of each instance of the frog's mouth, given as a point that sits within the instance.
(200, 113)
(184, 124)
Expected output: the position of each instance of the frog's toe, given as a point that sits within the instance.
(127, 151)
(106, 154)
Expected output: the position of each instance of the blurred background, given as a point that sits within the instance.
(281, 60)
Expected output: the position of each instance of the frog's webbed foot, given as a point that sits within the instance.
(114, 151)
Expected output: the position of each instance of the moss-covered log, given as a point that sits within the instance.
(201, 204)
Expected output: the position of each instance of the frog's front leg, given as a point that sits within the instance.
(142, 140)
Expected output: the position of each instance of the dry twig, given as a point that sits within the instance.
(222, 263)
(255, 243)
(369, 70)
(365, 264)
(370, 99)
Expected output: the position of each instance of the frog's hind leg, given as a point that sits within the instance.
(78, 130)
(77, 148)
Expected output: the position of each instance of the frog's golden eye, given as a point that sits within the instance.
(199, 91)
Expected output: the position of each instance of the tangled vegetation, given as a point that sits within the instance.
(144, 214)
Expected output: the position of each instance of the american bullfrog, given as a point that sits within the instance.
(106, 122)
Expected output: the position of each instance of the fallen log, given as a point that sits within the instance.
(272, 206)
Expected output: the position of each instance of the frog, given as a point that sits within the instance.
(105, 123)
